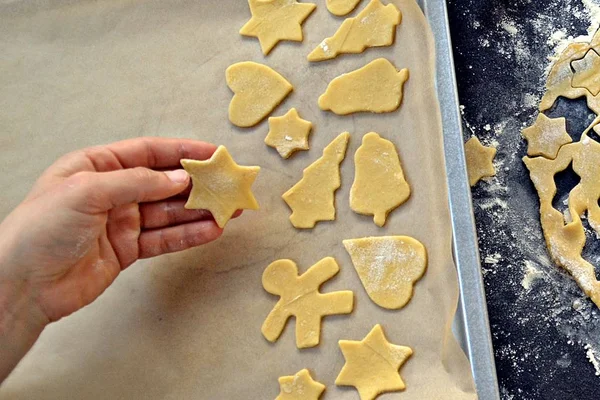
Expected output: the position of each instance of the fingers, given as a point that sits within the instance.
(177, 238)
(169, 213)
(154, 153)
(159, 152)
(92, 192)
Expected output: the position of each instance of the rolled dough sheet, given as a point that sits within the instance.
(187, 326)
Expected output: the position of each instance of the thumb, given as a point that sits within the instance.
(93, 192)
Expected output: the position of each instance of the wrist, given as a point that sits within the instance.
(21, 322)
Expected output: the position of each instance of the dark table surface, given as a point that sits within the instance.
(546, 333)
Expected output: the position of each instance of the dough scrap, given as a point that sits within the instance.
(375, 26)
(257, 90)
(566, 240)
(300, 386)
(376, 87)
(479, 160)
(220, 185)
(276, 20)
(312, 199)
(341, 7)
(560, 78)
(288, 133)
(586, 72)
(300, 297)
(379, 185)
(388, 267)
(546, 136)
(372, 364)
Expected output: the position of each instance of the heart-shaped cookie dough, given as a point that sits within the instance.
(257, 90)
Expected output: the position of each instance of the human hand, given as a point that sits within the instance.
(89, 216)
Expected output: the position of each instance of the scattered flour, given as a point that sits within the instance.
(531, 274)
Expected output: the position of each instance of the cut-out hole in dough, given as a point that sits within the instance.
(591, 249)
(565, 182)
(577, 113)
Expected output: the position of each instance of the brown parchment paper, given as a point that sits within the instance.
(187, 326)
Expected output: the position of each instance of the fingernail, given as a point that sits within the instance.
(177, 176)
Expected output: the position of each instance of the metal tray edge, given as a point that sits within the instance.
(471, 324)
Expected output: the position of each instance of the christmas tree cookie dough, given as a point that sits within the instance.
(372, 365)
(288, 134)
(379, 185)
(388, 267)
(479, 160)
(375, 26)
(300, 386)
(220, 185)
(312, 199)
(376, 87)
(546, 136)
(257, 91)
(276, 20)
(585, 74)
(341, 7)
(300, 297)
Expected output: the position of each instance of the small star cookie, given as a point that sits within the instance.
(276, 20)
(288, 133)
(479, 160)
(372, 365)
(300, 386)
(586, 72)
(546, 136)
(220, 186)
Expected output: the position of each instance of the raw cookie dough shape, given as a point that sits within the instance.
(300, 297)
(546, 136)
(312, 199)
(566, 240)
(560, 78)
(379, 185)
(376, 87)
(257, 91)
(276, 20)
(388, 267)
(341, 7)
(375, 26)
(220, 185)
(372, 365)
(300, 386)
(479, 160)
(288, 134)
(586, 72)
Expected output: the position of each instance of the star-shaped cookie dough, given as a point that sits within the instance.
(300, 387)
(372, 365)
(546, 136)
(479, 160)
(220, 185)
(288, 133)
(587, 73)
(275, 20)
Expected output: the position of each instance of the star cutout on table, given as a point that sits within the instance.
(587, 73)
(300, 387)
(546, 136)
(372, 365)
(288, 133)
(220, 185)
(275, 20)
(479, 160)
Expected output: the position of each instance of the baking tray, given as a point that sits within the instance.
(471, 324)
